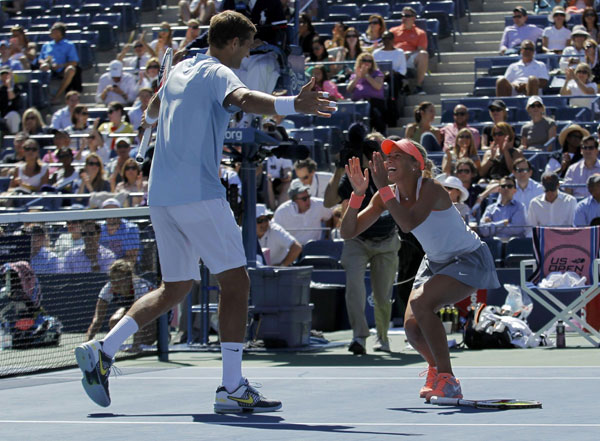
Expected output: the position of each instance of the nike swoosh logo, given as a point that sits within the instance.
(102, 370)
(248, 400)
(233, 350)
(462, 274)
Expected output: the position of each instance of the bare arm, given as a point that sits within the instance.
(292, 255)
(101, 307)
(253, 101)
(331, 191)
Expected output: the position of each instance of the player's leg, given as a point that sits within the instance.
(438, 291)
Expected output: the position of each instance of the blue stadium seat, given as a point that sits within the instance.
(397, 7)
(329, 248)
(350, 9)
(87, 54)
(92, 9)
(22, 21)
(129, 15)
(46, 4)
(573, 114)
(382, 9)
(300, 120)
(485, 86)
(62, 10)
(82, 20)
(444, 12)
(107, 30)
(47, 20)
(33, 11)
(4, 182)
(432, 27)
(517, 249)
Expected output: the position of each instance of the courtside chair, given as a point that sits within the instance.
(561, 250)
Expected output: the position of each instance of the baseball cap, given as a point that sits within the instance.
(296, 188)
(521, 10)
(262, 210)
(534, 99)
(110, 202)
(593, 179)
(3, 43)
(115, 68)
(123, 139)
(498, 104)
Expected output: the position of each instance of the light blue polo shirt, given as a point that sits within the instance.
(191, 128)
(62, 52)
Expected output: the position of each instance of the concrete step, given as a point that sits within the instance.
(486, 25)
(505, 5)
(494, 36)
(461, 66)
(449, 77)
(463, 87)
(477, 46)
(466, 56)
(412, 100)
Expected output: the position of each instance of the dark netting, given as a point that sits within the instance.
(59, 272)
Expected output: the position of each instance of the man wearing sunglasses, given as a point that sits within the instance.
(527, 188)
(413, 41)
(91, 257)
(506, 217)
(461, 120)
(139, 58)
(116, 85)
(514, 35)
(282, 248)
(302, 215)
(579, 172)
(524, 77)
(553, 208)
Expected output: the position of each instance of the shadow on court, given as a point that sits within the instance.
(253, 421)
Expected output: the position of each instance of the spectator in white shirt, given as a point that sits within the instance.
(302, 215)
(279, 173)
(116, 85)
(579, 82)
(526, 77)
(553, 208)
(137, 61)
(61, 119)
(527, 188)
(574, 54)
(307, 174)
(282, 248)
(579, 172)
(555, 38)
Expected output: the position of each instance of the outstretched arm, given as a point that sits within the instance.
(307, 101)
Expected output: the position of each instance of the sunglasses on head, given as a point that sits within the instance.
(505, 186)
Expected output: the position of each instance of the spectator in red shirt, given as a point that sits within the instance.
(413, 41)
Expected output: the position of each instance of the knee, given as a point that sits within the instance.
(420, 306)
(502, 81)
(533, 80)
(411, 327)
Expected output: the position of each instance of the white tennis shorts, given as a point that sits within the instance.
(199, 230)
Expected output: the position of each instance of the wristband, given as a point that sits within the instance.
(386, 194)
(356, 201)
(284, 105)
(150, 120)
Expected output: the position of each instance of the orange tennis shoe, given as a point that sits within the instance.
(445, 386)
(432, 373)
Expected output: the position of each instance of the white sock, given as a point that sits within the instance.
(124, 329)
(232, 365)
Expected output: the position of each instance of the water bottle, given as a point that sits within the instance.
(560, 334)
(5, 338)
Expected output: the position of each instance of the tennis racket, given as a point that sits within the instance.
(165, 68)
(499, 404)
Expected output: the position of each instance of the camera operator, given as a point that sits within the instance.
(377, 246)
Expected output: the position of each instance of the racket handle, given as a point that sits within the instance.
(143, 147)
(443, 401)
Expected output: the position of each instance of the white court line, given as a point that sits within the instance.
(187, 378)
(282, 424)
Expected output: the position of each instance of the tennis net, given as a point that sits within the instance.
(55, 269)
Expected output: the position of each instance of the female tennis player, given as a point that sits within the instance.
(456, 261)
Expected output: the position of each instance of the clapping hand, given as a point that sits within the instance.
(359, 181)
(378, 170)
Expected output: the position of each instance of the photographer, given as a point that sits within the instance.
(377, 246)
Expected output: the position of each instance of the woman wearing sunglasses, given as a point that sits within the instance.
(351, 50)
(371, 39)
(366, 83)
(95, 144)
(149, 76)
(540, 129)
(464, 147)
(158, 47)
(30, 175)
(578, 82)
(589, 20)
(79, 126)
(133, 181)
(91, 178)
(32, 122)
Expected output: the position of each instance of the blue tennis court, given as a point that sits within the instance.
(326, 396)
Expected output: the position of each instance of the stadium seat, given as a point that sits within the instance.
(46, 4)
(129, 15)
(62, 10)
(83, 20)
(25, 22)
(398, 6)
(107, 34)
(329, 248)
(382, 9)
(47, 20)
(517, 249)
(485, 86)
(349, 9)
(444, 12)
(92, 9)
(33, 11)
(496, 247)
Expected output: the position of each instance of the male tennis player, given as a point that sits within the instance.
(188, 209)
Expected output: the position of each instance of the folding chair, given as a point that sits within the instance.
(561, 250)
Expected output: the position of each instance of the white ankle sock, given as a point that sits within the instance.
(232, 365)
(124, 329)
